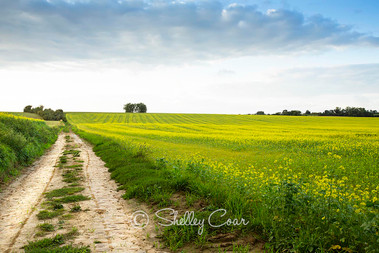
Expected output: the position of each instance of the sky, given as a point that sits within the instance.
(227, 57)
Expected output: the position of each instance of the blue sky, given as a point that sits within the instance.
(189, 56)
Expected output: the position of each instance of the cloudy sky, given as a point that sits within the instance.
(189, 56)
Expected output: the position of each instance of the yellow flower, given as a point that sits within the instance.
(335, 247)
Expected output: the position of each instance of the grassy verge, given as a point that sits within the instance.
(21, 141)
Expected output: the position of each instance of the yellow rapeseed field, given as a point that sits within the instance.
(326, 168)
(334, 157)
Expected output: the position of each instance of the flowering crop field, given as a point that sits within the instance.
(305, 174)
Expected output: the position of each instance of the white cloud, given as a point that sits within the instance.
(159, 31)
(270, 11)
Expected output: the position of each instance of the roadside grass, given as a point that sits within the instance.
(71, 176)
(73, 152)
(46, 215)
(46, 227)
(63, 192)
(73, 166)
(63, 159)
(54, 245)
(76, 208)
(69, 199)
(22, 140)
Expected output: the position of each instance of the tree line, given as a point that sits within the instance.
(46, 114)
(338, 111)
(135, 108)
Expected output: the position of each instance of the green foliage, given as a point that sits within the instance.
(54, 245)
(47, 227)
(63, 192)
(45, 215)
(76, 208)
(70, 199)
(46, 114)
(71, 176)
(21, 141)
(45, 243)
(260, 113)
(138, 108)
(73, 152)
(350, 111)
(64, 249)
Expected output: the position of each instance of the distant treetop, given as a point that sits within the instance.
(46, 114)
(338, 111)
(139, 108)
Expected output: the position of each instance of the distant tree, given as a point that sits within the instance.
(129, 107)
(338, 111)
(327, 113)
(307, 112)
(295, 113)
(260, 113)
(350, 111)
(38, 110)
(46, 114)
(138, 108)
(28, 108)
(59, 115)
(285, 112)
(142, 108)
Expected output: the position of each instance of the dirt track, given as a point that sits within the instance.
(104, 226)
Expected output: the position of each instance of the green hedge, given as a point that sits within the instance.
(21, 141)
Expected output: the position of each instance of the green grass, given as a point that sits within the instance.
(45, 214)
(74, 166)
(69, 199)
(73, 152)
(27, 115)
(63, 192)
(54, 245)
(71, 176)
(63, 159)
(76, 208)
(46, 227)
(54, 123)
(22, 140)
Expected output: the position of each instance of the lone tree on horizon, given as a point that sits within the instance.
(138, 108)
